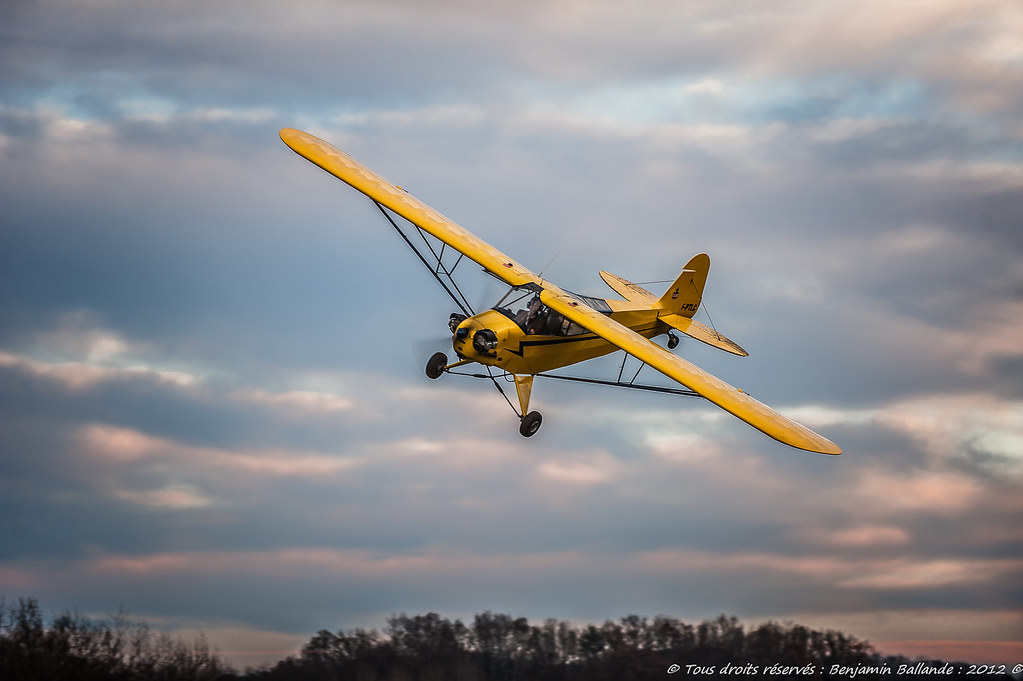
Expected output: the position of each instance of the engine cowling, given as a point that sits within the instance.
(480, 338)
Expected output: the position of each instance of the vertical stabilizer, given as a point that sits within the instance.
(684, 296)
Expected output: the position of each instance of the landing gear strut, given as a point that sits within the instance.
(530, 421)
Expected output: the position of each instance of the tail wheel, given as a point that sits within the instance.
(672, 341)
(435, 365)
(530, 424)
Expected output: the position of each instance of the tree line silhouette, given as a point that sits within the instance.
(76, 648)
(493, 647)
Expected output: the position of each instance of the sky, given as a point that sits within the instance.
(213, 412)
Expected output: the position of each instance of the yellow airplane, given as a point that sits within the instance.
(537, 326)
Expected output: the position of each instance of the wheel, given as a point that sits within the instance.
(672, 341)
(435, 365)
(530, 424)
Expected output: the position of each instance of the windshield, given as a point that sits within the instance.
(523, 306)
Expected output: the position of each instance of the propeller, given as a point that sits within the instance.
(424, 348)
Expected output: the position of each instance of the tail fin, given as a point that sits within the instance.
(684, 296)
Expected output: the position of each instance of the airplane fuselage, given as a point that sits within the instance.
(519, 350)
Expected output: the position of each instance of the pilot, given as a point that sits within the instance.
(534, 321)
(521, 316)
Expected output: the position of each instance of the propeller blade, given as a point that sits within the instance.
(423, 348)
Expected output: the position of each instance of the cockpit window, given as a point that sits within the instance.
(523, 307)
(598, 304)
(516, 299)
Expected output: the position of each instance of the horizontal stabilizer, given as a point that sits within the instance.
(701, 332)
(634, 293)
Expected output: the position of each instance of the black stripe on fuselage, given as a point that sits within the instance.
(571, 339)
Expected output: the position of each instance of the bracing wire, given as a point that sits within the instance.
(706, 310)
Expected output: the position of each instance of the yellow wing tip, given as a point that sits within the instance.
(295, 139)
(821, 445)
(299, 139)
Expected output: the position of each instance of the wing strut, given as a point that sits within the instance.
(619, 383)
(621, 370)
(497, 384)
(507, 399)
(441, 273)
(622, 384)
(684, 392)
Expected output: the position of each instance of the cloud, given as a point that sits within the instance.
(953, 426)
(170, 497)
(933, 574)
(591, 468)
(933, 492)
(988, 636)
(864, 536)
(118, 445)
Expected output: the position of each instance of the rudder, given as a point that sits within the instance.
(684, 296)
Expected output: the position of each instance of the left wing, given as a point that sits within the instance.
(710, 387)
(348, 170)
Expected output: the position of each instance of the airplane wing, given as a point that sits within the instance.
(348, 170)
(710, 387)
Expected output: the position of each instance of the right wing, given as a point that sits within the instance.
(387, 194)
(710, 387)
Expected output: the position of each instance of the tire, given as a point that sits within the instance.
(435, 365)
(530, 424)
(672, 341)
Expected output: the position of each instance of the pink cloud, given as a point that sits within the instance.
(117, 445)
(979, 636)
(912, 574)
(296, 401)
(980, 652)
(862, 536)
(878, 492)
